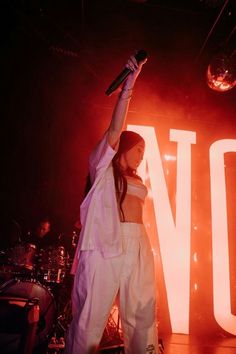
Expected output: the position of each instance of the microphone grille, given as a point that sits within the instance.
(141, 55)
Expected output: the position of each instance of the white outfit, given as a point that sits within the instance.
(99, 213)
(137, 189)
(125, 267)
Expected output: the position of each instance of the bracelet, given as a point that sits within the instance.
(124, 98)
(126, 91)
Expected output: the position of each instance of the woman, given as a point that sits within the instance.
(114, 256)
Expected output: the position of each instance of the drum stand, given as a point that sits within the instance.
(111, 342)
(112, 334)
(57, 341)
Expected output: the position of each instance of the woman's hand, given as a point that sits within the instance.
(136, 68)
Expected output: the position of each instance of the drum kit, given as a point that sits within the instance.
(26, 274)
(41, 277)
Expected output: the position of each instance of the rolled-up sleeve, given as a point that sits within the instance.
(101, 157)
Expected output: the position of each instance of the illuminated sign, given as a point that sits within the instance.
(220, 246)
(174, 233)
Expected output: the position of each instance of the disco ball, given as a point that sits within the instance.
(221, 72)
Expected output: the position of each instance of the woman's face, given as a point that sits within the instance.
(133, 157)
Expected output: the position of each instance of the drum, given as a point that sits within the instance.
(22, 256)
(6, 271)
(52, 265)
(27, 290)
(57, 258)
(52, 275)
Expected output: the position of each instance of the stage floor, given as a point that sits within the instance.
(184, 344)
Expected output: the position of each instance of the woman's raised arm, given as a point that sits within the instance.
(120, 111)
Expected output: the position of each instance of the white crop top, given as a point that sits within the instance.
(137, 189)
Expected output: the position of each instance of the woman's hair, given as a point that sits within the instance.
(128, 139)
(88, 185)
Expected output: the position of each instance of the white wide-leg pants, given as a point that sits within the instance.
(97, 282)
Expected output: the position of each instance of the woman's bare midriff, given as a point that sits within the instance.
(133, 209)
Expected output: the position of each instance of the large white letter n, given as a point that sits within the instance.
(174, 236)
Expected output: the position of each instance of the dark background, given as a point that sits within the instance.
(58, 58)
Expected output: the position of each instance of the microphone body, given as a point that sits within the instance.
(141, 55)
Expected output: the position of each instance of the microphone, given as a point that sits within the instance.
(141, 55)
